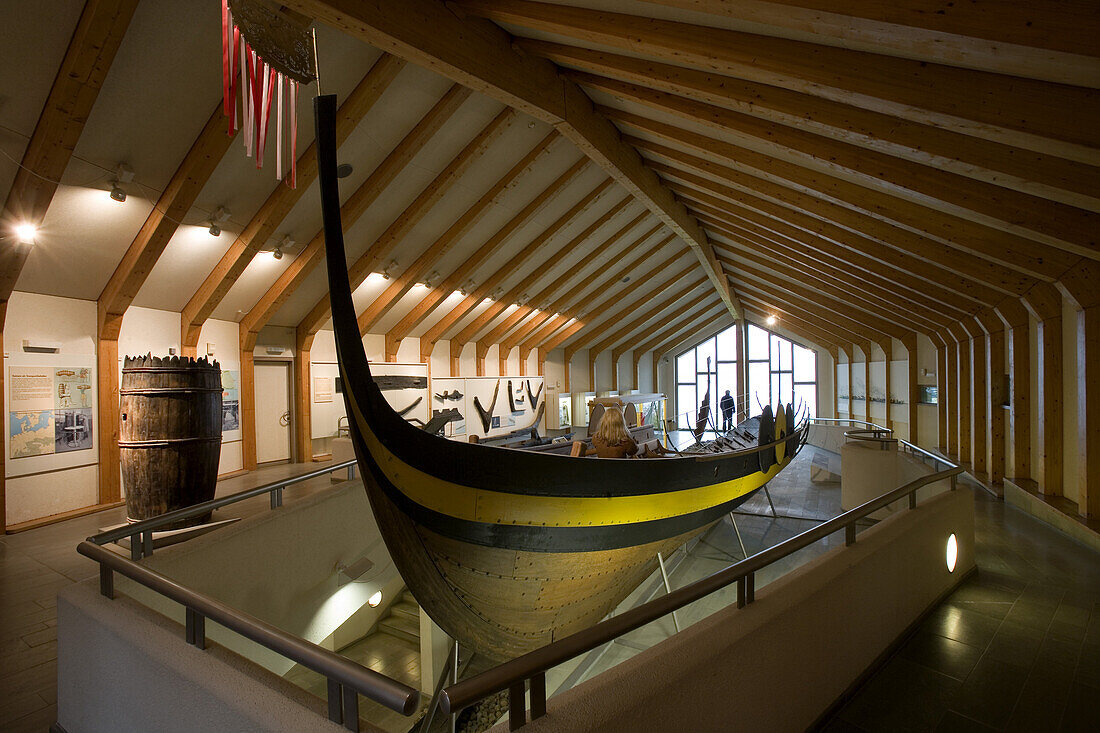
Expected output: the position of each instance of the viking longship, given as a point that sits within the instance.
(509, 549)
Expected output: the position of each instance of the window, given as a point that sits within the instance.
(695, 375)
(780, 371)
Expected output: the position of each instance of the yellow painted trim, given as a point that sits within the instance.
(496, 507)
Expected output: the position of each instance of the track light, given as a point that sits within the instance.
(219, 217)
(117, 193)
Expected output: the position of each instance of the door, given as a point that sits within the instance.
(272, 411)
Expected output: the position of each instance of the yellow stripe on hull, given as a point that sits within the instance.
(497, 507)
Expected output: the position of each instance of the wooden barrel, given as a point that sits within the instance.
(170, 434)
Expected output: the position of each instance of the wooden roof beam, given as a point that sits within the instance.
(673, 329)
(853, 294)
(862, 290)
(566, 301)
(1059, 179)
(279, 203)
(370, 317)
(354, 207)
(175, 201)
(803, 152)
(446, 241)
(497, 240)
(1012, 37)
(88, 58)
(416, 210)
(825, 255)
(846, 329)
(480, 55)
(774, 307)
(837, 305)
(839, 223)
(629, 330)
(1006, 248)
(585, 332)
(567, 306)
(973, 102)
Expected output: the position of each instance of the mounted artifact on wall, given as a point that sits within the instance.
(170, 434)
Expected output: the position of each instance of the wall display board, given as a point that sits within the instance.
(842, 390)
(50, 406)
(405, 387)
(231, 405)
(490, 406)
(899, 382)
(450, 394)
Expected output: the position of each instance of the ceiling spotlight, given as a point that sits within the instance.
(343, 170)
(771, 320)
(277, 253)
(387, 271)
(26, 232)
(215, 230)
(117, 193)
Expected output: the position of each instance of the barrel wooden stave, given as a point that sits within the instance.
(170, 435)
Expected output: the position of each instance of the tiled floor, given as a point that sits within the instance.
(1016, 648)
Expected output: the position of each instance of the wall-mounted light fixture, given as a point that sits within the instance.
(952, 554)
(25, 232)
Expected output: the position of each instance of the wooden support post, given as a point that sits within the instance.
(303, 422)
(454, 358)
(866, 346)
(910, 343)
(979, 396)
(110, 467)
(888, 350)
(941, 390)
(1079, 286)
(963, 388)
(952, 396)
(614, 373)
(247, 399)
(592, 371)
(1044, 302)
(995, 371)
(1015, 318)
(851, 358)
(742, 376)
(502, 361)
(3, 454)
(565, 372)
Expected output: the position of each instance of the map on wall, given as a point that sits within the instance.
(49, 410)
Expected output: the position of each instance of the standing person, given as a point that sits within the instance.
(728, 405)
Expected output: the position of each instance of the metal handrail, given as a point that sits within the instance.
(351, 676)
(346, 679)
(206, 507)
(911, 447)
(512, 675)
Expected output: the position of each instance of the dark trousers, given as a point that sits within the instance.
(727, 420)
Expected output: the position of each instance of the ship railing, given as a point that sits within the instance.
(346, 679)
(529, 670)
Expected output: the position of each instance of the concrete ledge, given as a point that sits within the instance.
(779, 663)
(122, 667)
(1048, 512)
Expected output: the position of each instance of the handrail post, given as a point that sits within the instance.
(850, 534)
(106, 581)
(750, 587)
(147, 543)
(517, 706)
(741, 592)
(913, 499)
(196, 628)
(135, 546)
(335, 701)
(351, 708)
(538, 695)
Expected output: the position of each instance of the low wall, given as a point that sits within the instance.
(866, 466)
(122, 667)
(780, 662)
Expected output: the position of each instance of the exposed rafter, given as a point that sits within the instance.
(91, 50)
(274, 210)
(481, 56)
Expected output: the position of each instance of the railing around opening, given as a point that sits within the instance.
(346, 679)
(531, 668)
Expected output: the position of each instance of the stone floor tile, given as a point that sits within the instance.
(944, 655)
(990, 692)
